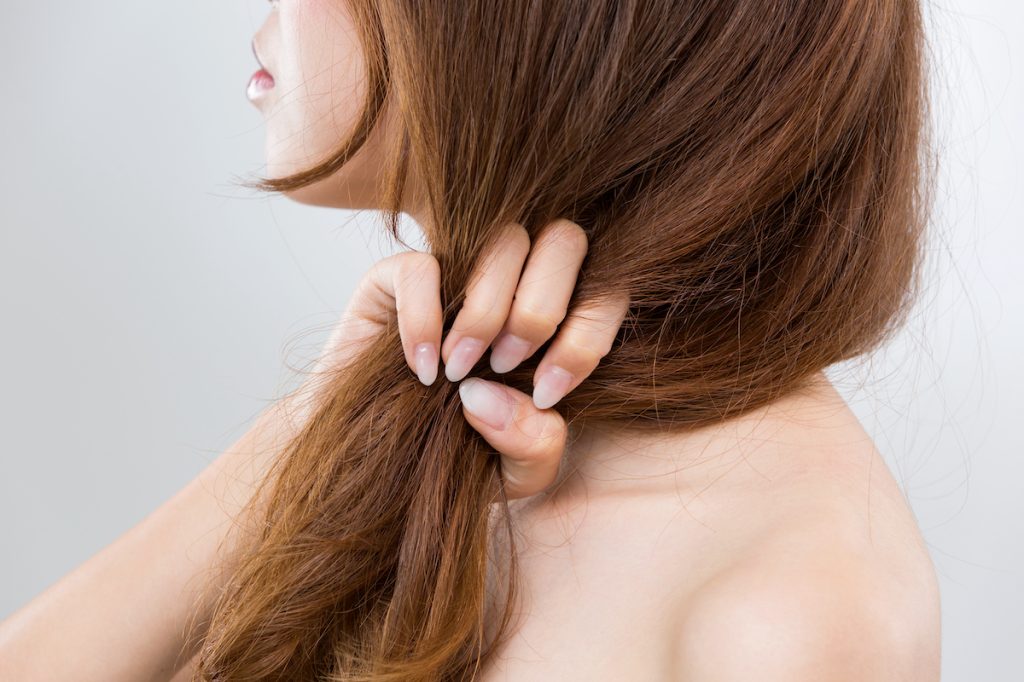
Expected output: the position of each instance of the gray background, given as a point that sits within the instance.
(151, 307)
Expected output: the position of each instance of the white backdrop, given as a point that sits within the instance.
(150, 306)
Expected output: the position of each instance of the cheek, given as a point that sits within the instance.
(321, 85)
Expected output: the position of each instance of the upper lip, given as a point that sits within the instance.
(256, 53)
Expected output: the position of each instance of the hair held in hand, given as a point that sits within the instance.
(751, 175)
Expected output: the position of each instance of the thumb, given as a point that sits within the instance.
(531, 441)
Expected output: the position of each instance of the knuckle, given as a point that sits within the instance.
(477, 314)
(374, 286)
(517, 235)
(416, 265)
(587, 345)
(513, 238)
(612, 309)
(536, 320)
(378, 269)
(544, 435)
(597, 322)
(566, 234)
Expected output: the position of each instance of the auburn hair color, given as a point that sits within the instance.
(749, 174)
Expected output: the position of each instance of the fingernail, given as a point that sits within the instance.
(462, 358)
(426, 363)
(553, 385)
(508, 352)
(486, 403)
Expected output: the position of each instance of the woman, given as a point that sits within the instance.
(664, 219)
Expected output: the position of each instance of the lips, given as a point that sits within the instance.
(261, 82)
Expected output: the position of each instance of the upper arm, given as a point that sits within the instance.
(124, 613)
(826, 623)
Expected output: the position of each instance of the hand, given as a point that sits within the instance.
(517, 299)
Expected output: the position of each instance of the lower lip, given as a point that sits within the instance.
(260, 83)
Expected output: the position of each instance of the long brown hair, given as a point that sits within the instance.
(748, 173)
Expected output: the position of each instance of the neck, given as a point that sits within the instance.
(613, 460)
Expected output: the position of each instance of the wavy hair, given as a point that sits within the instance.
(750, 174)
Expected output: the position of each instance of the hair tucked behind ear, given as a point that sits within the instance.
(748, 173)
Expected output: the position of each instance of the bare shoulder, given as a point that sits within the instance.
(834, 583)
(828, 615)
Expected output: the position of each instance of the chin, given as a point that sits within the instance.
(344, 189)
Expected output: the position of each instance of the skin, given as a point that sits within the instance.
(312, 50)
(519, 296)
(772, 546)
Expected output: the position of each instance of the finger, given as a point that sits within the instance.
(530, 441)
(412, 280)
(542, 298)
(583, 340)
(488, 299)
